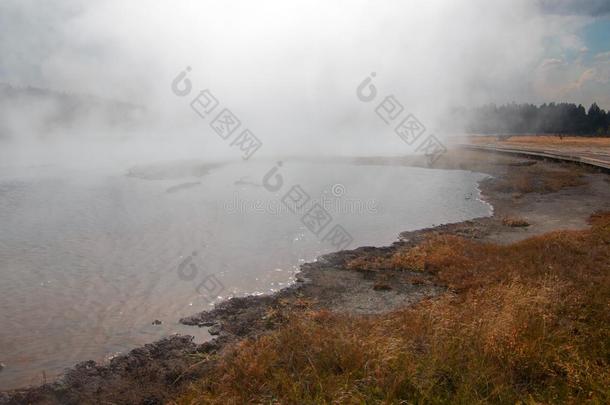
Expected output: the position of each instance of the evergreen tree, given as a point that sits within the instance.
(552, 118)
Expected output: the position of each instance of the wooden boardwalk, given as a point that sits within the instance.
(600, 159)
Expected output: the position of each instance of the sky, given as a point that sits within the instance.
(290, 69)
(576, 68)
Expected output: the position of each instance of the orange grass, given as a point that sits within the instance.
(528, 179)
(524, 323)
(545, 140)
(515, 222)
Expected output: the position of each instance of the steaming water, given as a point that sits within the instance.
(88, 259)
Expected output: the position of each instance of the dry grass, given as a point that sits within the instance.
(515, 222)
(539, 179)
(545, 140)
(524, 323)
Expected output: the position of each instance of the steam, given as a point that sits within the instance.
(288, 69)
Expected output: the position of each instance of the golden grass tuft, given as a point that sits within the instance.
(528, 179)
(523, 323)
(515, 222)
(545, 140)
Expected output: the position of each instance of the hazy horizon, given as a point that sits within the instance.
(290, 70)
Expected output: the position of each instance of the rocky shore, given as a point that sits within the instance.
(553, 198)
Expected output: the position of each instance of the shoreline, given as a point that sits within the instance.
(158, 370)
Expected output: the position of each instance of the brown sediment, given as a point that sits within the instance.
(358, 286)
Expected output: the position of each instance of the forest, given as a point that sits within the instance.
(552, 118)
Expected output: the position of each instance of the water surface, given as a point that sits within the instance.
(89, 259)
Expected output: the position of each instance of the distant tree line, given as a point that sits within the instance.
(561, 118)
(39, 110)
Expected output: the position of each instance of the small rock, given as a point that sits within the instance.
(382, 287)
(157, 322)
(214, 330)
(2, 366)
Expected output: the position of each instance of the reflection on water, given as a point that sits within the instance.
(88, 260)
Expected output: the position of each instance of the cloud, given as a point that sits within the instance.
(603, 56)
(550, 63)
(578, 81)
(587, 75)
(594, 8)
